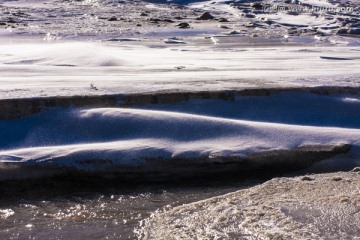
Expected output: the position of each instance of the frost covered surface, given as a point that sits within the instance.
(311, 207)
(62, 69)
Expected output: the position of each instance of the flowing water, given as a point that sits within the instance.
(93, 209)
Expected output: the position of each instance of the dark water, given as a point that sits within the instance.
(75, 208)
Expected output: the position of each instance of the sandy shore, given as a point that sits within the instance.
(322, 206)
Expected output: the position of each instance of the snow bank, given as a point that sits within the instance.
(136, 140)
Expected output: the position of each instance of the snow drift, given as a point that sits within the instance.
(132, 141)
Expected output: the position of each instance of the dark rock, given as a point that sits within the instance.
(336, 58)
(11, 21)
(354, 31)
(2, 24)
(20, 14)
(223, 20)
(233, 32)
(178, 18)
(246, 10)
(168, 20)
(293, 13)
(248, 15)
(144, 14)
(112, 19)
(342, 31)
(293, 32)
(353, 25)
(328, 27)
(306, 178)
(154, 20)
(336, 179)
(183, 25)
(157, 20)
(224, 26)
(206, 16)
(138, 25)
(257, 6)
(179, 67)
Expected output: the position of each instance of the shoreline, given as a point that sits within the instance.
(311, 206)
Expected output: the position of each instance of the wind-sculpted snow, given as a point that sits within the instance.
(289, 107)
(132, 140)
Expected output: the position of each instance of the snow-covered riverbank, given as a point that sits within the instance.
(245, 134)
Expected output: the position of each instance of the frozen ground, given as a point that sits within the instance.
(109, 19)
(324, 206)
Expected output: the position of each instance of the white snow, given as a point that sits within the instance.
(319, 3)
(53, 69)
(109, 139)
(101, 138)
(297, 20)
